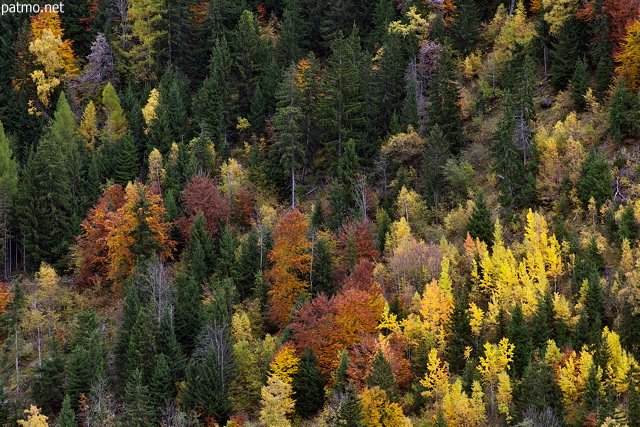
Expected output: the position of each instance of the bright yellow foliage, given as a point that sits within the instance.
(476, 316)
(277, 404)
(497, 358)
(460, 410)
(436, 379)
(149, 110)
(572, 378)
(557, 12)
(285, 363)
(34, 418)
(400, 230)
(88, 129)
(618, 364)
(378, 411)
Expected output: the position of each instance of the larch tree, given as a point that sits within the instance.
(115, 126)
(145, 19)
(291, 261)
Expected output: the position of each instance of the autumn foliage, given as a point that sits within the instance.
(202, 195)
(291, 263)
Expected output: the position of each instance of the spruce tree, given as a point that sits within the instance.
(67, 417)
(579, 85)
(628, 228)
(126, 161)
(160, 384)
(138, 409)
(167, 344)
(79, 375)
(466, 27)
(317, 217)
(189, 312)
(248, 264)
(381, 375)
(141, 349)
(323, 277)
(227, 264)
(350, 412)
(520, 337)
(308, 386)
(8, 187)
(47, 387)
(340, 374)
(384, 227)
(543, 327)
(623, 113)
(595, 180)
(539, 388)
(566, 52)
(480, 225)
(200, 251)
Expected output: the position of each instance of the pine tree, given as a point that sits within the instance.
(595, 180)
(308, 386)
(519, 335)
(189, 312)
(160, 384)
(227, 264)
(126, 162)
(138, 410)
(67, 417)
(79, 375)
(480, 225)
(47, 387)
(381, 375)
(340, 376)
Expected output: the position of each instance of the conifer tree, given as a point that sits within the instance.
(633, 397)
(47, 387)
(138, 410)
(167, 344)
(622, 113)
(570, 47)
(539, 388)
(8, 188)
(322, 274)
(308, 386)
(126, 161)
(543, 327)
(480, 225)
(227, 264)
(116, 124)
(350, 412)
(160, 384)
(595, 180)
(579, 85)
(340, 376)
(381, 375)
(79, 375)
(67, 417)
(248, 264)
(628, 228)
(189, 312)
(520, 337)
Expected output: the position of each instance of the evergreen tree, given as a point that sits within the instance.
(227, 264)
(189, 312)
(579, 85)
(141, 349)
(67, 417)
(595, 180)
(200, 251)
(480, 225)
(443, 108)
(167, 345)
(633, 397)
(294, 33)
(516, 180)
(466, 26)
(248, 264)
(593, 399)
(381, 375)
(539, 388)
(566, 52)
(592, 319)
(317, 217)
(543, 326)
(126, 161)
(160, 384)
(623, 113)
(322, 274)
(340, 376)
(350, 412)
(461, 337)
(520, 337)
(79, 375)
(601, 49)
(47, 387)
(209, 374)
(384, 227)
(308, 386)
(138, 410)
(8, 187)
(628, 226)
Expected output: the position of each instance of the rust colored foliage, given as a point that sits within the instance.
(354, 243)
(91, 252)
(123, 227)
(202, 195)
(51, 21)
(243, 207)
(361, 358)
(329, 325)
(5, 297)
(622, 13)
(361, 277)
(139, 230)
(291, 263)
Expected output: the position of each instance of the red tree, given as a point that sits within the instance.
(202, 195)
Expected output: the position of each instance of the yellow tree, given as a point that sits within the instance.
(496, 360)
(149, 110)
(277, 404)
(34, 418)
(436, 379)
(378, 411)
(285, 363)
(291, 261)
(629, 57)
(88, 129)
(143, 35)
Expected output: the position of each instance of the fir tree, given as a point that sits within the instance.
(466, 26)
(543, 326)
(160, 384)
(308, 386)
(47, 387)
(539, 388)
(248, 264)
(79, 375)
(340, 374)
(227, 264)
(570, 47)
(189, 312)
(623, 113)
(126, 161)
(480, 225)
(384, 227)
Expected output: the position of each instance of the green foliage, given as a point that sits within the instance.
(350, 412)
(595, 180)
(539, 388)
(623, 113)
(189, 312)
(67, 417)
(480, 225)
(308, 386)
(381, 375)
(579, 85)
(628, 228)
(566, 52)
(138, 409)
(48, 385)
(520, 337)
(323, 266)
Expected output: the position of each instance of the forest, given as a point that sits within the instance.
(320, 213)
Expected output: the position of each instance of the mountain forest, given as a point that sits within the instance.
(320, 213)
